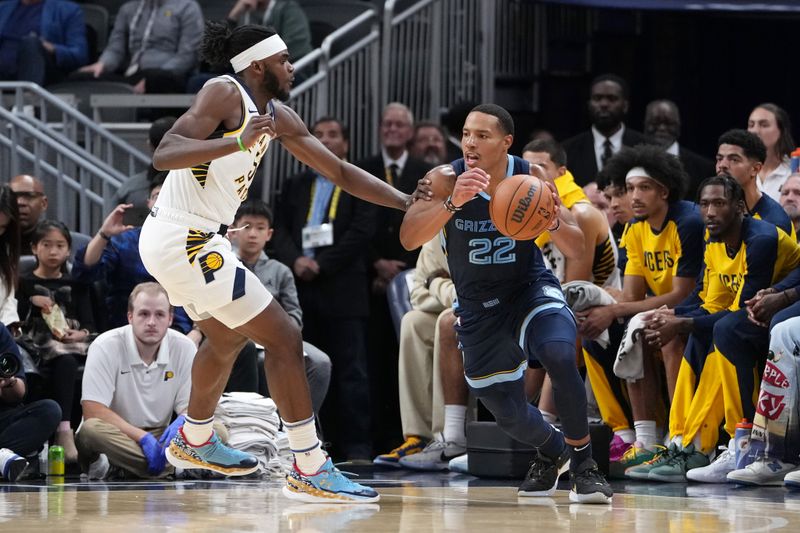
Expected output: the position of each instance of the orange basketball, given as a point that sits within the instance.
(522, 207)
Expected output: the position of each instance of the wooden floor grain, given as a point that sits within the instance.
(405, 507)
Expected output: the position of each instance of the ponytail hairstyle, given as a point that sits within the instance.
(10, 239)
(221, 42)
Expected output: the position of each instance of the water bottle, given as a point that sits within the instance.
(795, 163)
(55, 466)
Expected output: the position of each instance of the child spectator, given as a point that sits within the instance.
(57, 322)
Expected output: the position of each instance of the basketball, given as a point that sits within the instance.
(522, 207)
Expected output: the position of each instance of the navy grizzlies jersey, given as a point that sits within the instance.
(488, 268)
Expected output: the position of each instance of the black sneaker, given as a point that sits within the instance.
(588, 484)
(543, 474)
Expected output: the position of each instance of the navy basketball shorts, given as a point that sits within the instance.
(493, 341)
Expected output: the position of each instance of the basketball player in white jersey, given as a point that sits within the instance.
(212, 153)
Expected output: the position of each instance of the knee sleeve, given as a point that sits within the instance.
(503, 402)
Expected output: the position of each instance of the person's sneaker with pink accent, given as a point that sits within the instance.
(617, 449)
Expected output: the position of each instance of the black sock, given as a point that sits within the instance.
(579, 455)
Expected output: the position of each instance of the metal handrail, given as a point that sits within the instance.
(327, 43)
(63, 180)
(73, 114)
(63, 141)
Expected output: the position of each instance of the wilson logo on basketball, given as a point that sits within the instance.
(522, 206)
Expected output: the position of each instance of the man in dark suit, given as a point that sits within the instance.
(608, 106)
(322, 234)
(662, 126)
(398, 168)
(387, 258)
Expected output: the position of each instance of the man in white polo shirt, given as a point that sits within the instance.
(136, 377)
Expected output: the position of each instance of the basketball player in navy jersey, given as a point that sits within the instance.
(511, 311)
(212, 153)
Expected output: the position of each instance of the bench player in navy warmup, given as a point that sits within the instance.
(510, 307)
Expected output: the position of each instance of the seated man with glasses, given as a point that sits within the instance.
(32, 203)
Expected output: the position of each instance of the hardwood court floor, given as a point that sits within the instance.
(409, 503)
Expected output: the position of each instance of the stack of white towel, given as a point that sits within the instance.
(254, 427)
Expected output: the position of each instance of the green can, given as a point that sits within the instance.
(55, 461)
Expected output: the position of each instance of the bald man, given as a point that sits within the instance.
(32, 202)
(790, 199)
(662, 126)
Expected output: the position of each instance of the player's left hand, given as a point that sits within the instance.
(468, 185)
(763, 308)
(257, 127)
(424, 191)
(660, 330)
(594, 321)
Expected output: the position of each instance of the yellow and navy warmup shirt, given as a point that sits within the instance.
(766, 255)
(713, 385)
(766, 209)
(674, 250)
(605, 253)
(771, 211)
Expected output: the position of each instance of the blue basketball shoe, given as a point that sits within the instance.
(213, 455)
(328, 485)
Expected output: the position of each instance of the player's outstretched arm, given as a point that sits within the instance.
(424, 219)
(186, 144)
(295, 136)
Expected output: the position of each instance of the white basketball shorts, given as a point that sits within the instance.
(199, 270)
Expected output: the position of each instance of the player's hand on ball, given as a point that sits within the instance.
(468, 185)
(257, 127)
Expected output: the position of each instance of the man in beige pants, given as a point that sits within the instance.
(136, 377)
(421, 400)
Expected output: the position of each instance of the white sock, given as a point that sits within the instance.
(197, 432)
(627, 435)
(646, 432)
(454, 418)
(550, 418)
(305, 446)
(678, 441)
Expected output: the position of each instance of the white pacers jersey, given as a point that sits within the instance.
(215, 189)
(604, 266)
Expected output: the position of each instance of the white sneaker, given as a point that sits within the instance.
(762, 471)
(792, 480)
(435, 456)
(717, 471)
(459, 464)
(99, 468)
(11, 465)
